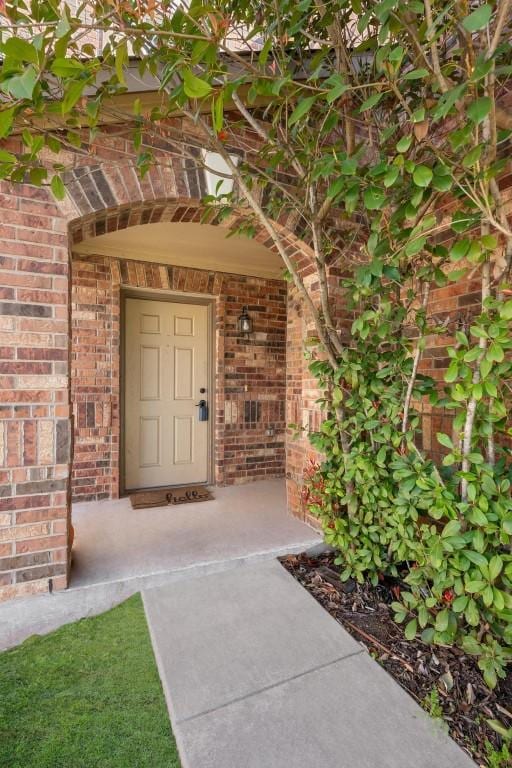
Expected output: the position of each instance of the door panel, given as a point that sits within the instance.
(149, 435)
(183, 440)
(166, 364)
(183, 373)
(149, 373)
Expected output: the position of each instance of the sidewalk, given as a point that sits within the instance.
(257, 675)
(119, 551)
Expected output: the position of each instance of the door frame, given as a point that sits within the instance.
(171, 297)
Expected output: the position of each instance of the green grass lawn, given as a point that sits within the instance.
(86, 695)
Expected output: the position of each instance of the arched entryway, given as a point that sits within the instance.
(36, 431)
(165, 252)
(247, 401)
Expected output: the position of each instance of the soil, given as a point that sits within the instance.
(445, 681)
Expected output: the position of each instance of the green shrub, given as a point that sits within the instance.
(387, 509)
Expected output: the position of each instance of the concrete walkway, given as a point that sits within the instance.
(119, 551)
(257, 675)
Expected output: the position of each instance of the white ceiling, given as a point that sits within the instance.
(200, 246)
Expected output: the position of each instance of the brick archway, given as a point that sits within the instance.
(182, 210)
(38, 234)
(248, 407)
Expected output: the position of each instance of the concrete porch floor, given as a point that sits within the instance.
(114, 542)
(119, 551)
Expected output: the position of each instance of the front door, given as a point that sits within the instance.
(166, 367)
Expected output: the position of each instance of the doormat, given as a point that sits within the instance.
(164, 496)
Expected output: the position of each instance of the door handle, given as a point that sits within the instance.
(203, 410)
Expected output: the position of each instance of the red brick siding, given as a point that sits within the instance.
(34, 409)
(249, 372)
(104, 194)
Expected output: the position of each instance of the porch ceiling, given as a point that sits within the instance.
(199, 246)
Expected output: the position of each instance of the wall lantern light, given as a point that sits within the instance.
(218, 185)
(245, 323)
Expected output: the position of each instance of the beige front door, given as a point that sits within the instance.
(166, 366)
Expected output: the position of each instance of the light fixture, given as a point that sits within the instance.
(218, 184)
(245, 323)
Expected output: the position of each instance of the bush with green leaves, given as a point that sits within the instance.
(387, 509)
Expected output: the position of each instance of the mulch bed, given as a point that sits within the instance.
(364, 612)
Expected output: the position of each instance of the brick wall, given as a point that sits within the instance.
(95, 335)
(249, 372)
(104, 193)
(303, 414)
(34, 400)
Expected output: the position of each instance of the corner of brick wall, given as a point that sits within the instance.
(35, 424)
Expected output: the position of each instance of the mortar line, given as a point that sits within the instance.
(270, 687)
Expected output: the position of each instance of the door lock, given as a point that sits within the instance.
(203, 410)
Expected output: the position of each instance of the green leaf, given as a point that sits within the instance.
(475, 557)
(415, 246)
(507, 526)
(66, 67)
(478, 19)
(6, 121)
(477, 585)
(301, 109)
(7, 158)
(336, 187)
(490, 676)
(338, 89)
(444, 440)
(348, 166)
(485, 368)
(479, 109)
(442, 183)
(457, 274)
(459, 250)
(451, 528)
(460, 603)
(476, 516)
(58, 188)
(121, 60)
(391, 176)
(411, 629)
(472, 157)
(490, 388)
(371, 101)
(404, 144)
(452, 372)
(374, 198)
(495, 352)
(194, 87)
(471, 645)
(19, 49)
(37, 175)
(218, 112)
(442, 620)
(472, 615)
(63, 27)
(22, 86)
(495, 567)
(422, 175)
(416, 74)
(72, 95)
(505, 310)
